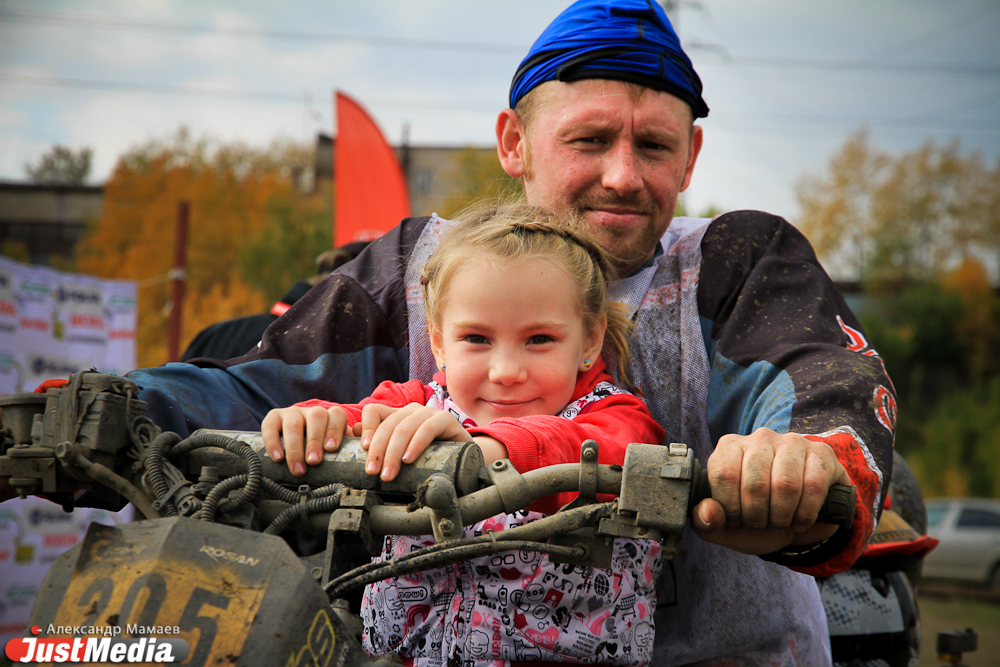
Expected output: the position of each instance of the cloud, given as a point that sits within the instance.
(768, 124)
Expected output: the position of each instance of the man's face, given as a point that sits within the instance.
(618, 154)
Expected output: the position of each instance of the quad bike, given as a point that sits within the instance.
(207, 561)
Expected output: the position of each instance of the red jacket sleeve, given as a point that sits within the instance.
(393, 394)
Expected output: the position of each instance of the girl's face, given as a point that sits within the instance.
(512, 338)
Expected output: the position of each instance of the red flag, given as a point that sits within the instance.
(370, 191)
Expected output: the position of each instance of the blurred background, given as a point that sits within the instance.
(872, 126)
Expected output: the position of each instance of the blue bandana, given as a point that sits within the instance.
(625, 40)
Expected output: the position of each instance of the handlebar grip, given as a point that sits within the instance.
(838, 507)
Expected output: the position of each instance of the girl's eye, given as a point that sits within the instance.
(475, 339)
(540, 339)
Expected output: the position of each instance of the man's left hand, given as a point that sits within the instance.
(767, 489)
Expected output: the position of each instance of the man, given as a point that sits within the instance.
(742, 347)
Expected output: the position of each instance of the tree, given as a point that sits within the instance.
(893, 221)
(939, 341)
(61, 166)
(919, 230)
(234, 191)
(709, 211)
(977, 332)
(478, 174)
(837, 208)
(16, 250)
(285, 250)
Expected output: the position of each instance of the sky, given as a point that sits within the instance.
(787, 81)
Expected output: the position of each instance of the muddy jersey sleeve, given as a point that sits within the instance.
(787, 353)
(339, 341)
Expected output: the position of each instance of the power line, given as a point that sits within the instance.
(937, 31)
(76, 21)
(865, 65)
(193, 91)
(984, 125)
(783, 122)
(121, 86)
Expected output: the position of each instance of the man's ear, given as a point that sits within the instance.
(594, 343)
(694, 149)
(511, 142)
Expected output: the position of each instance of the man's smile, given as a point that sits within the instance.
(618, 217)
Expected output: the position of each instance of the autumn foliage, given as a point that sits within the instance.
(236, 195)
(893, 220)
(921, 231)
(477, 175)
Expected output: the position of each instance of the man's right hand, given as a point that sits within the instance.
(767, 490)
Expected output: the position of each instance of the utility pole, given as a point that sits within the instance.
(404, 153)
(178, 274)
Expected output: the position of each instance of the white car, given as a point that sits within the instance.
(969, 530)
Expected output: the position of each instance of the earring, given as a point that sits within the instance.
(587, 363)
(442, 368)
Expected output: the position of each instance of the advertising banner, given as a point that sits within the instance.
(53, 324)
(33, 534)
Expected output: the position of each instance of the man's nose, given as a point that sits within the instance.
(621, 169)
(508, 369)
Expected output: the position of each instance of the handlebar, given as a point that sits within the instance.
(462, 462)
(94, 432)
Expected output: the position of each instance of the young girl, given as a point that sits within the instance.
(517, 312)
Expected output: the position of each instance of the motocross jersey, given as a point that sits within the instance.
(737, 327)
(517, 606)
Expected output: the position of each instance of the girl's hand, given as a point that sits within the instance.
(394, 436)
(323, 428)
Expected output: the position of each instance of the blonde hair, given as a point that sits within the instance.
(511, 230)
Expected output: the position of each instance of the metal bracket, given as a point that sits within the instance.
(349, 533)
(599, 549)
(512, 488)
(31, 469)
(438, 494)
(656, 488)
(588, 473)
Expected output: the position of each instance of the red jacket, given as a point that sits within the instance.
(614, 420)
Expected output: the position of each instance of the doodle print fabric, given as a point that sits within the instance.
(516, 605)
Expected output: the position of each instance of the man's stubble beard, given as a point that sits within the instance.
(628, 249)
